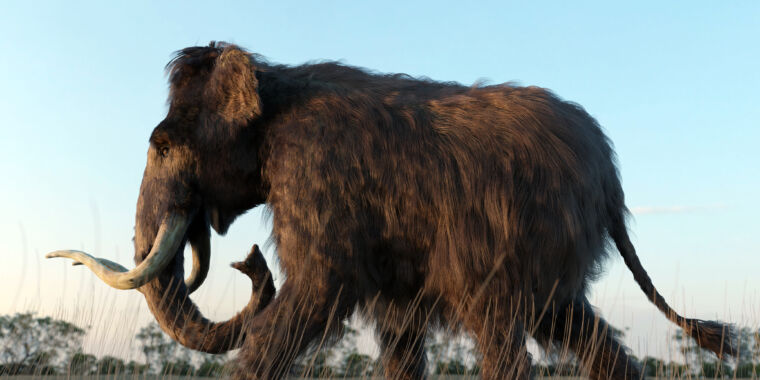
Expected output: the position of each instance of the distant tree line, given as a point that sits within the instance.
(31, 345)
(447, 355)
(699, 363)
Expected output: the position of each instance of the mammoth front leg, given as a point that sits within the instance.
(298, 317)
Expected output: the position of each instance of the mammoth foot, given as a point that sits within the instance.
(255, 267)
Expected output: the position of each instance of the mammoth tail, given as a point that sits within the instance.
(712, 335)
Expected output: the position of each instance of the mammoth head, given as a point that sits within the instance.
(203, 164)
(203, 170)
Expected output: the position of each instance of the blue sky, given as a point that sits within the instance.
(674, 84)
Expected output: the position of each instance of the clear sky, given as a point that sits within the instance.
(674, 84)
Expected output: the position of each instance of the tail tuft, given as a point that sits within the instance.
(717, 337)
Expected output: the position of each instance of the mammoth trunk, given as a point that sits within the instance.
(168, 298)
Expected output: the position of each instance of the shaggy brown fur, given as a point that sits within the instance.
(419, 203)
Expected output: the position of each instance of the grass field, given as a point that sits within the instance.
(155, 377)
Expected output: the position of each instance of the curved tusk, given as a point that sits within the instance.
(201, 246)
(170, 236)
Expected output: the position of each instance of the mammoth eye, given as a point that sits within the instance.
(164, 151)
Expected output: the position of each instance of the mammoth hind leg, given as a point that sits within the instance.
(501, 342)
(577, 328)
(402, 343)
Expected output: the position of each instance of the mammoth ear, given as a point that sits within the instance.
(232, 88)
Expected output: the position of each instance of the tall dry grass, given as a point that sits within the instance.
(104, 325)
(114, 317)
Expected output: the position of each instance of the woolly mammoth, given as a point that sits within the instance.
(416, 203)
